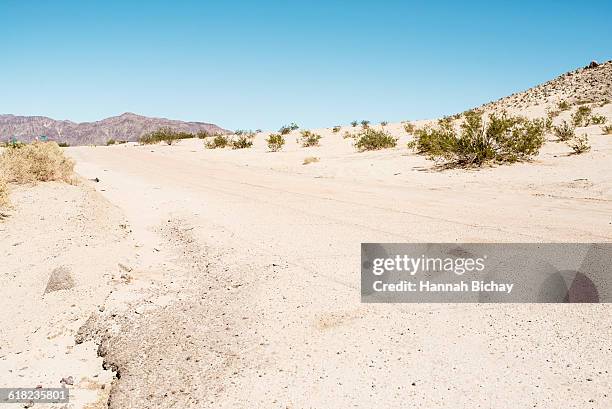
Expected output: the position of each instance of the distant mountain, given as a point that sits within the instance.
(128, 127)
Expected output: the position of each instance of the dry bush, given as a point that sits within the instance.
(580, 144)
(564, 131)
(36, 162)
(309, 160)
(4, 200)
(409, 128)
(275, 142)
(242, 142)
(219, 141)
(607, 130)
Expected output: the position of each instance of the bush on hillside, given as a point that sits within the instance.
(563, 105)
(580, 144)
(370, 139)
(275, 142)
(284, 130)
(409, 128)
(365, 124)
(564, 131)
(336, 129)
(308, 138)
(502, 139)
(354, 124)
(582, 116)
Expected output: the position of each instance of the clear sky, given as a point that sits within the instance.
(261, 64)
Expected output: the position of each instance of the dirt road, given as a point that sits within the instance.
(245, 287)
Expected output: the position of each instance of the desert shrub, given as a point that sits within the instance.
(564, 131)
(258, 131)
(607, 130)
(38, 161)
(563, 105)
(354, 123)
(580, 144)
(202, 134)
(308, 138)
(598, 119)
(242, 142)
(347, 135)
(370, 139)
(167, 135)
(63, 144)
(309, 160)
(4, 194)
(552, 114)
(582, 116)
(501, 139)
(275, 142)
(111, 142)
(365, 124)
(336, 129)
(218, 141)
(384, 123)
(284, 130)
(409, 128)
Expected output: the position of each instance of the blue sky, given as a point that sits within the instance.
(262, 64)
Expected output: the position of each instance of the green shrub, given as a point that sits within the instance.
(384, 123)
(309, 138)
(218, 141)
(564, 131)
(580, 144)
(598, 119)
(275, 142)
(347, 135)
(607, 130)
(365, 124)
(370, 139)
(167, 135)
(502, 139)
(111, 142)
(284, 130)
(563, 105)
(354, 124)
(582, 116)
(242, 142)
(202, 134)
(336, 129)
(63, 144)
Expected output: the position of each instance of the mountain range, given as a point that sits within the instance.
(127, 127)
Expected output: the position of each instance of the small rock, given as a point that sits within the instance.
(67, 381)
(593, 64)
(60, 279)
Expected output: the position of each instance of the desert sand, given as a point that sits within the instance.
(230, 278)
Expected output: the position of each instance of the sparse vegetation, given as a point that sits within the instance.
(275, 142)
(336, 129)
(607, 130)
(370, 139)
(354, 123)
(365, 124)
(111, 142)
(35, 162)
(167, 135)
(580, 144)
(598, 119)
(501, 139)
(309, 160)
(384, 123)
(202, 134)
(582, 116)
(564, 131)
(4, 194)
(347, 135)
(409, 128)
(309, 138)
(218, 141)
(284, 130)
(563, 105)
(63, 144)
(242, 142)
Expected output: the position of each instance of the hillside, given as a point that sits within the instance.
(127, 127)
(585, 85)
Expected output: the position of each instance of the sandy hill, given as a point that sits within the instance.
(591, 84)
(127, 127)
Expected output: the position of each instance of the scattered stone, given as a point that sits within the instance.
(60, 279)
(67, 381)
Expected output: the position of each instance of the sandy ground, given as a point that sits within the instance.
(243, 283)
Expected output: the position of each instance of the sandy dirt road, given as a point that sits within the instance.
(247, 270)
